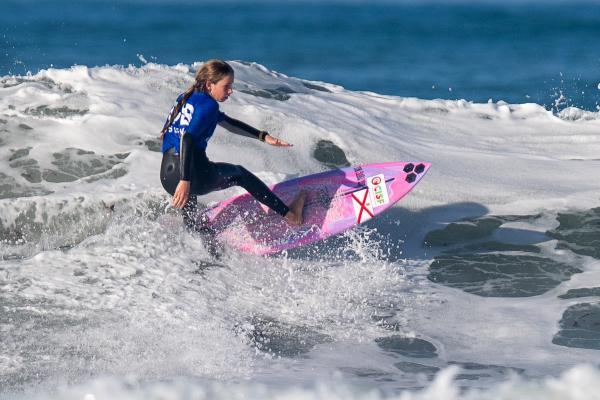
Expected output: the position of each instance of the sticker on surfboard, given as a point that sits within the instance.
(378, 190)
(363, 209)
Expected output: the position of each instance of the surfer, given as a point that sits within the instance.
(186, 171)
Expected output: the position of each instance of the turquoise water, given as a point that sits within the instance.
(517, 52)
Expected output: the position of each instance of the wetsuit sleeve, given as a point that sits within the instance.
(241, 128)
(185, 156)
(202, 117)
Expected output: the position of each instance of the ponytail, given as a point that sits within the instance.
(177, 109)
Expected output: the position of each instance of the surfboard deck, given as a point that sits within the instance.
(336, 200)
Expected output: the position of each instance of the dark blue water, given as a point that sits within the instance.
(531, 52)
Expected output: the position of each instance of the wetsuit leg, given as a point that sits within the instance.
(209, 176)
(190, 210)
(223, 175)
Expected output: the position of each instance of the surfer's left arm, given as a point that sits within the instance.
(241, 128)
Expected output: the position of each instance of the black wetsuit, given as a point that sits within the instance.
(184, 156)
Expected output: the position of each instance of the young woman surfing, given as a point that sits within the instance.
(187, 172)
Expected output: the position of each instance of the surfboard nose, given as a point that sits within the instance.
(414, 170)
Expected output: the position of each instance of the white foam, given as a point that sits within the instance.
(579, 383)
(495, 154)
(132, 275)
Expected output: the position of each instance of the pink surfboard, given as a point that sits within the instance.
(336, 200)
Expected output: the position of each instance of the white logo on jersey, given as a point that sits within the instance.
(185, 115)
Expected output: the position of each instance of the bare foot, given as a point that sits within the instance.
(294, 215)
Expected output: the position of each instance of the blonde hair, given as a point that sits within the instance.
(212, 71)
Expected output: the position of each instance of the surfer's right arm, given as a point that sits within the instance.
(182, 191)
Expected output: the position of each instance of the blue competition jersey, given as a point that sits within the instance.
(198, 117)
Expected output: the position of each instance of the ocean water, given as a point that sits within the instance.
(544, 52)
(483, 283)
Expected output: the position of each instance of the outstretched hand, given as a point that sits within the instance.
(276, 142)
